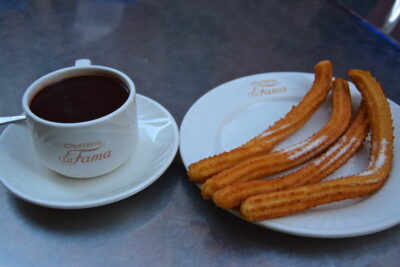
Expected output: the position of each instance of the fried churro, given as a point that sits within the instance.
(281, 203)
(260, 166)
(348, 144)
(200, 171)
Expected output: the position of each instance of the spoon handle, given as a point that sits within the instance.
(5, 120)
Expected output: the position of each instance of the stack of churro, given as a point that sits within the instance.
(240, 178)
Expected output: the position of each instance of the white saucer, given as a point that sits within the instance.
(22, 174)
(236, 111)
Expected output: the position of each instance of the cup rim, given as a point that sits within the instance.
(28, 95)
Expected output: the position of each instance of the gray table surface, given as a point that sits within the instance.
(176, 51)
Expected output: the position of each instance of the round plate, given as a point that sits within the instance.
(22, 174)
(236, 111)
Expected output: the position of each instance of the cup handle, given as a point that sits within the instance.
(82, 62)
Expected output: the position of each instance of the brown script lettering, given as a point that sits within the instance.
(88, 155)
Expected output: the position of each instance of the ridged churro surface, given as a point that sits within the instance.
(199, 171)
(281, 203)
(260, 166)
(233, 195)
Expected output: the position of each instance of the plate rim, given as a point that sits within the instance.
(218, 87)
(271, 224)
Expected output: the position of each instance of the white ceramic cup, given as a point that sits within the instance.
(83, 149)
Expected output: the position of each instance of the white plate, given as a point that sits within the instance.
(22, 174)
(236, 111)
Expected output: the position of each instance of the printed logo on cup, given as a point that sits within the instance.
(85, 153)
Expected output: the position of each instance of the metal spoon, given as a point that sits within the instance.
(5, 120)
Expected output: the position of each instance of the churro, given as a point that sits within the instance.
(348, 144)
(260, 166)
(281, 203)
(200, 171)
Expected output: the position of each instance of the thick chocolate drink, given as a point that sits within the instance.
(79, 99)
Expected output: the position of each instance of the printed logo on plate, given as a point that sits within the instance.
(266, 87)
